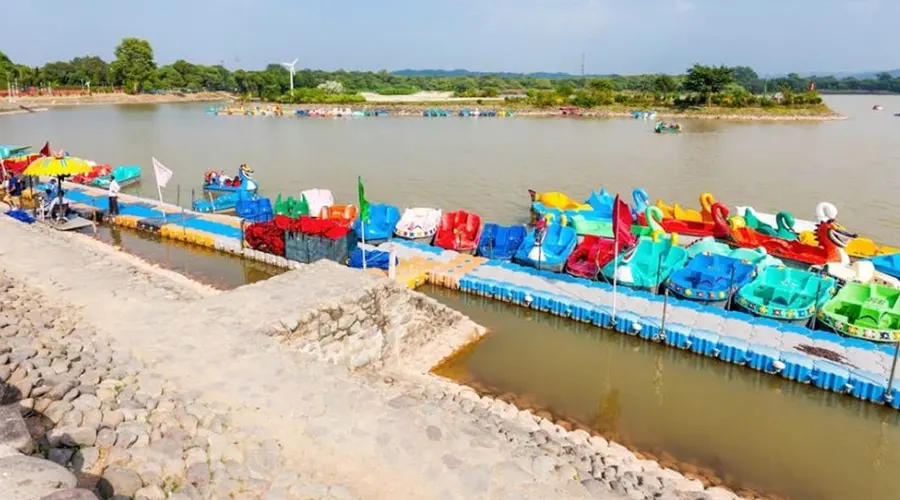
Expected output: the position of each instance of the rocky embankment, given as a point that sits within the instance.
(79, 420)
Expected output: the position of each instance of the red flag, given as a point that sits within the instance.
(45, 151)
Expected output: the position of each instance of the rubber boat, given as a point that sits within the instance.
(832, 240)
(222, 204)
(603, 203)
(786, 294)
(593, 252)
(824, 210)
(861, 271)
(96, 172)
(500, 242)
(217, 181)
(292, 207)
(317, 199)
(458, 231)
(18, 164)
(125, 176)
(383, 219)
(418, 223)
(11, 151)
(806, 231)
(653, 217)
(717, 226)
(857, 247)
(342, 214)
(667, 128)
(887, 264)
(556, 203)
(784, 224)
(867, 311)
(648, 265)
(599, 220)
(551, 250)
(679, 213)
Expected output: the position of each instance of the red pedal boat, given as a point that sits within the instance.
(595, 252)
(458, 231)
(716, 226)
(832, 239)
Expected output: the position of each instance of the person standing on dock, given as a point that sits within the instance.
(113, 195)
(13, 191)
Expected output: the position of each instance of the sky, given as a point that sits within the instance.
(615, 36)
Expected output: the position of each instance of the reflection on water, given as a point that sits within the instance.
(716, 420)
(207, 266)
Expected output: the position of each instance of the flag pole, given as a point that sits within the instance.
(615, 274)
(362, 226)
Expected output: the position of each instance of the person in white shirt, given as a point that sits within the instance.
(113, 196)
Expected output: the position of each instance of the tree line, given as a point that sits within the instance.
(134, 69)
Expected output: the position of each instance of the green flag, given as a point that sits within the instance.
(363, 203)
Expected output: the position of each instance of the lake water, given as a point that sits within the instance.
(488, 164)
(757, 430)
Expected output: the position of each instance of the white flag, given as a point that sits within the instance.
(163, 174)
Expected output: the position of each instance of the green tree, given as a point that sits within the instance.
(134, 65)
(746, 77)
(602, 85)
(708, 80)
(664, 84)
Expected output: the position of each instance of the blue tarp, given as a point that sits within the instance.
(21, 215)
(375, 259)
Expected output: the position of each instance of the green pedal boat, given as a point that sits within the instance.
(786, 294)
(867, 311)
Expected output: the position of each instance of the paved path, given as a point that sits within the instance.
(379, 439)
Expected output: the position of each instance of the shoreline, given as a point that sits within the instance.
(28, 105)
(416, 109)
(44, 103)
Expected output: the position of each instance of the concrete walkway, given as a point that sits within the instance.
(377, 436)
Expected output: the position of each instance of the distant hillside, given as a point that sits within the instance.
(465, 72)
(865, 75)
(860, 75)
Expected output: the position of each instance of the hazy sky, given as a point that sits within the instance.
(617, 36)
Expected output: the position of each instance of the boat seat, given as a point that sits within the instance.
(864, 270)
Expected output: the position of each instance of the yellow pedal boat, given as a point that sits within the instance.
(689, 215)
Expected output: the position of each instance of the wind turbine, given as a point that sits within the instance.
(290, 67)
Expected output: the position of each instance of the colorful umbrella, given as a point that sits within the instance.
(58, 166)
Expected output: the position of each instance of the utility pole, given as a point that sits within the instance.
(582, 69)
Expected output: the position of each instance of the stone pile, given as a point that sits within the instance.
(94, 423)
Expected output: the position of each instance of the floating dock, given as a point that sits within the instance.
(826, 360)
(822, 359)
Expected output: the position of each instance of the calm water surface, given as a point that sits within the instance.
(487, 165)
(754, 430)
(216, 269)
(766, 434)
